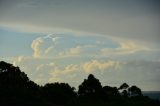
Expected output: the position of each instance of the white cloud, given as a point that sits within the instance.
(71, 52)
(140, 72)
(21, 60)
(48, 49)
(96, 65)
(57, 72)
(18, 60)
(62, 46)
(125, 47)
(84, 55)
(75, 51)
(43, 46)
(53, 72)
(59, 45)
(36, 47)
(55, 39)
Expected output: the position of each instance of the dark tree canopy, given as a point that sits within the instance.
(135, 91)
(59, 93)
(11, 76)
(15, 86)
(123, 86)
(90, 86)
(110, 91)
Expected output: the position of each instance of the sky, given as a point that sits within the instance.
(66, 40)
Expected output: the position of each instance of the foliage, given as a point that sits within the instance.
(134, 90)
(59, 93)
(90, 86)
(123, 86)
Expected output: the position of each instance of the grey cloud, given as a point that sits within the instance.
(130, 19)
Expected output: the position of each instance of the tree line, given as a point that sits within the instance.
(18, 90)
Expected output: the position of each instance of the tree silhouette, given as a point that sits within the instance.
(90, 86)
(11, 76)
(18, 90)
(110, 91)
(123, 86)
(91, 90)
(15, 86)
(135, 91)
(59, 93)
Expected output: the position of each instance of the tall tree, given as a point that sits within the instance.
(90, 87)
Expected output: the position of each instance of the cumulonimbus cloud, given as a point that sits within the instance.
(68, 46)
